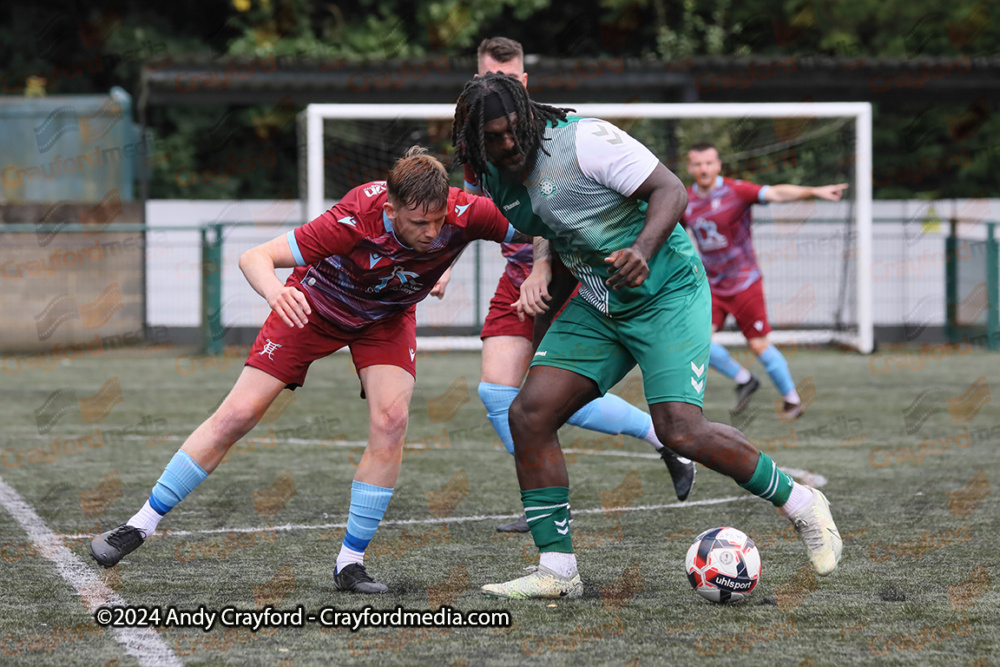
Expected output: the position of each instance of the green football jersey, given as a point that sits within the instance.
(574, 197)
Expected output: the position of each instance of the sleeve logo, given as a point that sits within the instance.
(609, 135)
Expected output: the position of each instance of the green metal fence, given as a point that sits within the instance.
(972, 287)
(212, 329)
(65, 284)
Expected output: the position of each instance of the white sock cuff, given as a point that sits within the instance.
(799, 498)
(562, 564)
(651, 438)
(146, 519)
(348, 556)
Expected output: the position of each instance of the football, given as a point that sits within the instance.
(723, 565)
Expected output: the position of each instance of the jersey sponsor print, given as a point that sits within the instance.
(721, 223)
(356, 271)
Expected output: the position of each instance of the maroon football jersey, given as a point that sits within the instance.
(721, 225)
(357, 272)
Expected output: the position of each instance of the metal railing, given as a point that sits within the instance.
(185, 278)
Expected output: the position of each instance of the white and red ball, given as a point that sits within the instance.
(723, 565)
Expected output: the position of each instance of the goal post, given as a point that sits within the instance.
(856, 331)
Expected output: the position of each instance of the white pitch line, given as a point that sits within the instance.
(634, 455)
(805, 476)
(141, 643)
(448, 519)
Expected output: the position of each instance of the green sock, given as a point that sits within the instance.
(769, 482)
(548, 516)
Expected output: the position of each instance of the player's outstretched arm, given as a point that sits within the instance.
(258, 264)
(667, 198)
(786, 192)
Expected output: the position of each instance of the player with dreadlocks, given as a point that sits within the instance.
(507, 331)
(611, 210)
(471, 112)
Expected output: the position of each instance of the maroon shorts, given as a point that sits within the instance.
(747, 307)
(502, 319)
(286, 352)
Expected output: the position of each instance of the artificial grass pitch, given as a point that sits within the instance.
(909, 458)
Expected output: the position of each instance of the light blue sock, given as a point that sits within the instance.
(497, 399)
(181, 476)
(776, 366)
(612, 414)
(368, 503)
(719, 359)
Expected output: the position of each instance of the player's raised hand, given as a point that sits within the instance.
(291, 306)
(629, 268)
(534, 295)
(441, 285)
(830, 192)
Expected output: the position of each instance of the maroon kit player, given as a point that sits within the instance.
(361, 268)
(719, 214)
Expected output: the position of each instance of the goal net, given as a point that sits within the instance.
(815, 256)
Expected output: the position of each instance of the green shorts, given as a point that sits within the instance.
(669, 340)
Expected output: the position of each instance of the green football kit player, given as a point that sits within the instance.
(609, 209)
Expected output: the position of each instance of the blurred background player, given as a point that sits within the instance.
(506, 334)
(719, 214)
(361, 269)
(611, 209)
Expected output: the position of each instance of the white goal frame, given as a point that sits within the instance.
(314, 115)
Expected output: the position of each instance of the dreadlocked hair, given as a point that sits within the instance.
(529, 128)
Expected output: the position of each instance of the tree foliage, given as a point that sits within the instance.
(939, 150)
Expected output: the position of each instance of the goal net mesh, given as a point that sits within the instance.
(806, 250)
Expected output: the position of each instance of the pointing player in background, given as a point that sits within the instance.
(611, 209)
(719, 214)
(361, 269)
(506, 335)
